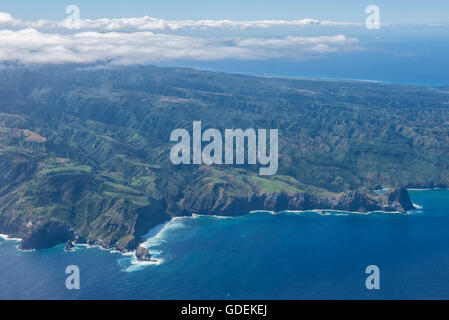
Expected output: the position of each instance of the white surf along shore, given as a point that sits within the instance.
(7, 238)
(157, 235)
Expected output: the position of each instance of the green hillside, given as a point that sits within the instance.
(89, 147)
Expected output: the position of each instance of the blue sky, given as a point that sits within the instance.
(394, 11)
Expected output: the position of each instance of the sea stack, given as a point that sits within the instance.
(142, 254)
(399, 198)
(69, 246)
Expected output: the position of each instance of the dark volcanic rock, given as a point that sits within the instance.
(356, 201)
(395, 200)
(398, 199)
(142, 254)
(69, 246)
(47, 234)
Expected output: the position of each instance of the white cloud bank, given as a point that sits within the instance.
(28, 46)
(155, 24)
(130, 41)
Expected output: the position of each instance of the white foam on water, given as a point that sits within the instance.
(196, 216)
(25, 250)
(83, 245)
(417, 206)
(155, 237)
(136, 265)
(418, 209)
(139, 265)
(7, 238)
(300, 211)
(322, 212)
(263, 211)
(333, 212)
(269, 212)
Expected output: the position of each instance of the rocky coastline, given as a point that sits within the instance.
(41, 234)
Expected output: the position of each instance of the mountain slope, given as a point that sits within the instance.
(85, 151)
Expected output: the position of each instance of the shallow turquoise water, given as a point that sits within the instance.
(256, 256)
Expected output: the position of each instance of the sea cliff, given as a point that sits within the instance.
(46, 233)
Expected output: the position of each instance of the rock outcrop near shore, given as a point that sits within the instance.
(398, 199)
(142, 254)
(46, 235)
(69, 246)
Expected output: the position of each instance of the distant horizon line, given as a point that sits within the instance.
(105, 65)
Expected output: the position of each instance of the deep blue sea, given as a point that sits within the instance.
(406, 56)
(255, 256)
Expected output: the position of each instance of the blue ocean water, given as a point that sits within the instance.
(413, 57)
(255, 256)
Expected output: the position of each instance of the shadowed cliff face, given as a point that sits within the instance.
(88, 148)
(398, 198)
(353, 201)
(46, 235)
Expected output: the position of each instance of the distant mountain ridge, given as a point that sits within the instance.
(84, 152)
